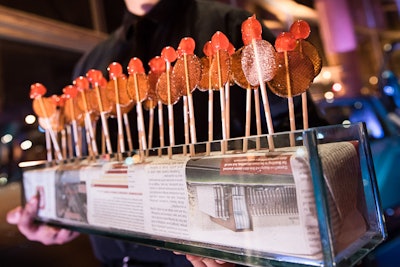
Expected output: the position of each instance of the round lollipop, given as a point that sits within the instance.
(37, 91)
(58, 121)
(157, 67)
(301, 30)
(138, 86)
(96, 78)
(167, 94)
(115, 72)
(187, 74)
(70, 93)
(82, 84)
(258, 64)
(294, 75)
(220, 68)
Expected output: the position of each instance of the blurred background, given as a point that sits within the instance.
(358, 40)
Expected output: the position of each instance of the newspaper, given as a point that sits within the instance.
(259, 201)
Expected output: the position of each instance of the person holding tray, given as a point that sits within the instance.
(148, 27)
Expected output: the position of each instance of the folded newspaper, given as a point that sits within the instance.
(256, 201)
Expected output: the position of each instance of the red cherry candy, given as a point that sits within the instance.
(94, 77)
(70, 91)
(207, 49)
(285, 42)
(169, 54)
(135, 66)
(300, 29)
(187, 45)
(251, 29)
(37, 90)
(58, 100)
(115, 70)
(157, 64)
(219, 41)
(81, 83)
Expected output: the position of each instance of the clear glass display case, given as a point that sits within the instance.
(303, 198)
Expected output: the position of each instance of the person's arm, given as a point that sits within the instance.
(24, 219)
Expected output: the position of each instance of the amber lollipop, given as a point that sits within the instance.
(301, 30)
(294, 75)
(220, 68)
(259, 65)
(115, 72)
(119, 84)
(82, 84)
(58, 121)
(187, 74)
(138, 86)
(70, 93)
(157, 67)
(37, 91)
(168, 94)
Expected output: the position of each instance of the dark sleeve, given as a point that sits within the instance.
(101, 55)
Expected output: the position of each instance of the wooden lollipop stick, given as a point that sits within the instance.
(49, 151)
(151, 127)
(222, 103)
(68, 128)
(185, 124)
(160, 126)
(228, 110)
(258, 117)
(128, 131)
(305, 110)
(290, 100)
(248, 119)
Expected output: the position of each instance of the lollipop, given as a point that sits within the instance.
(138, 86)
(95, 77)
(258, 64)
(58, 121)
(167, 94)
(220, 68)
(187, 74)
(82, 84)
(115, 72)
(37, 90)
(70, 92)
(294, 74)
(157, 67)
(301, 30)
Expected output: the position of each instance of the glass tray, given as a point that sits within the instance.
(304, 198)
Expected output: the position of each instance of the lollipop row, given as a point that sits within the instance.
(288, 68)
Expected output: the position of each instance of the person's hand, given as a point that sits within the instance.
(198, 261)
(24, 218)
